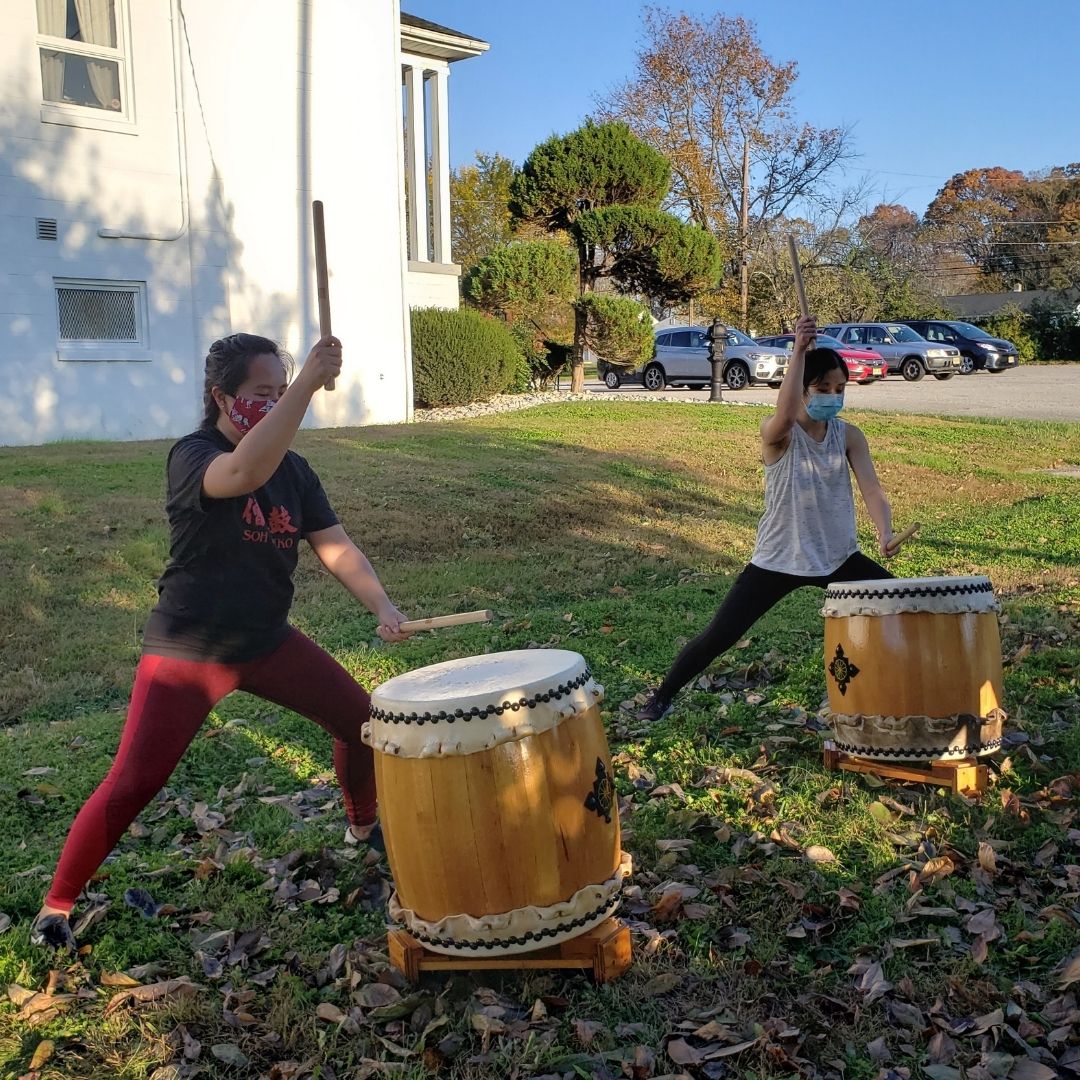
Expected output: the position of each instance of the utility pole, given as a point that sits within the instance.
(744, 239)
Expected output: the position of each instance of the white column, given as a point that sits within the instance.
(440, 164)
(415, 163)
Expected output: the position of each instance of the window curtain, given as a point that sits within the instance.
(52, 20)
(97, 21)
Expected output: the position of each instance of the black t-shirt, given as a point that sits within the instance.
(226, 591)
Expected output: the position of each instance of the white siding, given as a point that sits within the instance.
(282, 101)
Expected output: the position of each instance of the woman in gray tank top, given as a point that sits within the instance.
(807, 534)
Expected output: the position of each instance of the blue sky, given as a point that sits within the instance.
(930, 89)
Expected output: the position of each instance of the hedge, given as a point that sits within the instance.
(460, 356)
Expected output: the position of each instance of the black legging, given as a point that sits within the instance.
(755, 591)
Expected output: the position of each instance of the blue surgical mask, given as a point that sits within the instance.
(824, 406)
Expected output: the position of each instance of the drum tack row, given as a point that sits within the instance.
(498, 799)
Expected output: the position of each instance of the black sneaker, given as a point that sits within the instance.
(654, 709)
(53, 932)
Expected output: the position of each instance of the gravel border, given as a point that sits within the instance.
(513, 402)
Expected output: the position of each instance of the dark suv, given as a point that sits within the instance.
(978, 349)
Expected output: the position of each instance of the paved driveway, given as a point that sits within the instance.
(1037, 392)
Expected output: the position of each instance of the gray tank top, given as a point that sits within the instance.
(808, 528)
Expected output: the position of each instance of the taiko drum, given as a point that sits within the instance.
(497, 801)
(913, 667)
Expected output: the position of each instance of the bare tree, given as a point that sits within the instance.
(705, 94)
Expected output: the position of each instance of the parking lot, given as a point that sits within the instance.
(1034, 392)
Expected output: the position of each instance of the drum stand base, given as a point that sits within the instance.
(964, 776)
(605, 949)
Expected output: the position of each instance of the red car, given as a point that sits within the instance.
(864, 366)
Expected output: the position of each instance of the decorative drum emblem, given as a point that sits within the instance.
(602, 797)
(842, 669)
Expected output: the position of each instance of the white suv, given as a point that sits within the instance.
(681, 358)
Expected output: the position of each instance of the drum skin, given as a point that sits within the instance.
(911, 675)
(497, 801)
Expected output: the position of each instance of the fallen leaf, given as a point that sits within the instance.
(586, 1031)
(661, 984)
(938, 867)
(818, 854)
(985, 923)
(942, 1072)
(873, 983)
(330, 1013)
(1026, 1069)
(376, 995)
(42, 1052)
(230, 1054)
(118, 978)
(728, 1051)
(878, 1051)
(682, 1053)
(168, 989)
(18, 995)
(44, 1003)
(986, 1022)
(1071, 972)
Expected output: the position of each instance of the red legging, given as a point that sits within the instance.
(169, 702)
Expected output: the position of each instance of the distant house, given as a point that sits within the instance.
(982, 305)
(158, 159)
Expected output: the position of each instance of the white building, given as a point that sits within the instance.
(158, 159)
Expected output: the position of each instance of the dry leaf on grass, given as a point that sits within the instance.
(230, 1054)
(42, 1052)
(682, 1053)
(118, 979)
(169, 989)
(586, 1031)
(377, 994)
(661, 984)
(330, 1013)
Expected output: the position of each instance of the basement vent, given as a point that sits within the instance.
(97, 313)
(46, 228)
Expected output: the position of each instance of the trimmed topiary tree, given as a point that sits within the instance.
(617, 328)
(603, 187)
(461, 356)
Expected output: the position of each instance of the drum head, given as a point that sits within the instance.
(895, 596)
(471, 704)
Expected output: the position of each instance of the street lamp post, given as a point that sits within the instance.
(716, 334)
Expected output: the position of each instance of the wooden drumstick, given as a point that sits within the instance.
(796, 270)
(322, 278)
(438, 621)
(907, 534)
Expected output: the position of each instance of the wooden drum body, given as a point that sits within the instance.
(497, 801)
(913, 667)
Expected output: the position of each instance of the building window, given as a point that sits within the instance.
(101, 320)
(83, 56)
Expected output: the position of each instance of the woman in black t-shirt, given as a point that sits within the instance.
(239, 502)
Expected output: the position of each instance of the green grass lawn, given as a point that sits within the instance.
(932, 937)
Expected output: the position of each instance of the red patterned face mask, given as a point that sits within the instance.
(245, 413)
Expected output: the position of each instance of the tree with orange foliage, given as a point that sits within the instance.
(705, 94)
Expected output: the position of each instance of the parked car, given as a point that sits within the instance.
(864, 365)
(905, 351)
(978, 349)
(681, 358)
